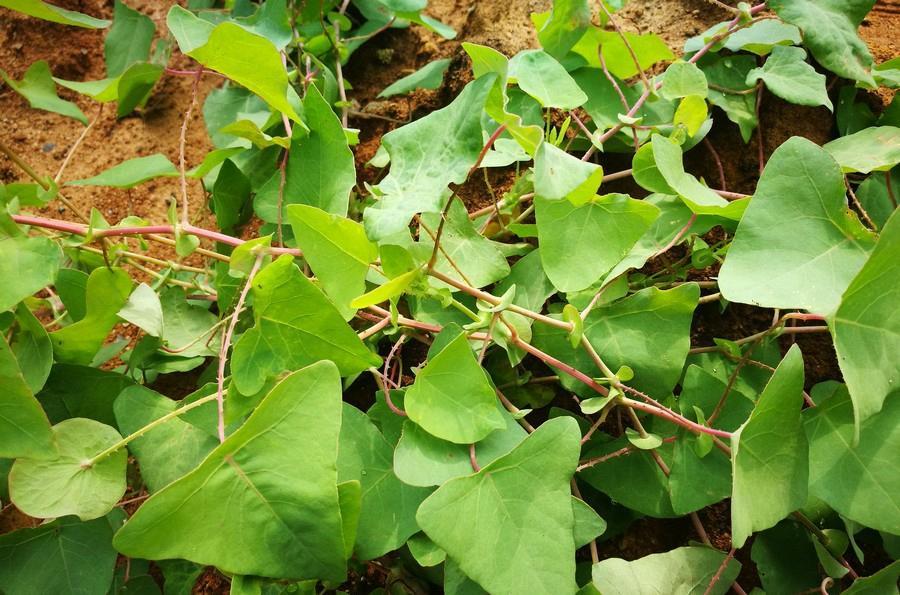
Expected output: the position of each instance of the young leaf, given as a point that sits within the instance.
(860, 481)
(388, 513)
(769, 454)
(420, 459)
(872, 149)
(24, 429)
(524, 493)
(167, 452)
(38, 88)
(426, 156)
(107, 292)
(765, 264)
(131, 172)
(452, 397)
(788, 75)
(683, 570)
(62, 556)
(571, 258)
(67, 484)
(866, 328)
(388, 291)
(254, 506)
(588, 524)
(128, 40)
(541, 76)
(337, 250)
(829, 31)
(296, 325)
(430, 76)
(27, 265)
(54, 14)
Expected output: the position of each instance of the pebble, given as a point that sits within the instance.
(48, 147)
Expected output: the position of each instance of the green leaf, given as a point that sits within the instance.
(883, 581)
(54, 14)
(682, 79)
(282, 510)
(873, 195)
(68, 484)
(588, 524)
(685, 570)
(231, 197)
(762, 36)
(131, 172)
(420, 459)
(320, 170)
(143, 309)
(634, 480)
(38, 88)
(32, 348)
(532, 285)
(186, 326)
(388, 514)
(866, 329)
(168, 451)
(787, 75)
(425, 551)
(559, 175)
(648, 48)
(426, 156)
(829, 31)
(244, 57)
(730, 72)
(135, 86)
(569, 20)
(337, 250)
(619, 332)
(129, 39)
(430, 76)
(572, 259)
(296, 325)
(480, 261)
(452, 397)
(541, 76)
(648, 442)
(24, 429)
(107, 292)
(769, 454)
(81, 391)
(786, 560)
(765, 264)
(27, 265)
(860, 481)
(62, 556)
(668, 158)
(251, 131)
(872, 149)
(524, 493)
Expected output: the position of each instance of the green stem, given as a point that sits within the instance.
(157, 422)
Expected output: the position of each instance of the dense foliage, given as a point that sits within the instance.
(561, 396)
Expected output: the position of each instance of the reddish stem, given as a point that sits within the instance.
(82, 230)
